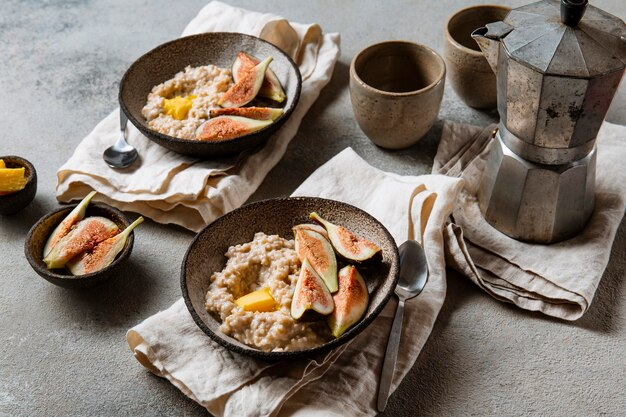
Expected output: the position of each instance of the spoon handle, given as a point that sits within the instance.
(391, 355)
(123, 122)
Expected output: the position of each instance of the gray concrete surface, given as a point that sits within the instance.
(63, 352)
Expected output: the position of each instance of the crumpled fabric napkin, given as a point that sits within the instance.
(172, 188)
(344, 381)
(559, 279)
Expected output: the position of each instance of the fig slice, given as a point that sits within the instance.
(310, 226)
(246, 89)
(85, 235)
(271, 87)
(103, 254)
(70, 220)
(310, 294)
(316, 249)
(351, 301)
(257, 113)
(229, 127)
(347, 244)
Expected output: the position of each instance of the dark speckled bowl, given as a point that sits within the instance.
(217, 48)
(14, 202)
(277, 216)
(38, 236)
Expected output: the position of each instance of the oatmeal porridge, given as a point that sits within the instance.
(266, 262)
(201, 86)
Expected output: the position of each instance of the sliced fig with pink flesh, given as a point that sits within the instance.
(271, 87)
(257, 113)
(310, 294)
(246, 89)
(103, 254)
(310, 226)
(70, 220)
(351, 301)
(229, 127)
(316, 249)
(347, 244)
(83, 237)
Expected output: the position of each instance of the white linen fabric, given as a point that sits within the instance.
(344, 381)
(172, 188)
(559, 279)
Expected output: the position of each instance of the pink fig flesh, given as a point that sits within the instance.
(351, 301)
(310, 294)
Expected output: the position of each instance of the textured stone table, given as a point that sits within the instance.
(64, 352)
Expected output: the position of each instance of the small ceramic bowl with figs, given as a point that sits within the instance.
(42, 230)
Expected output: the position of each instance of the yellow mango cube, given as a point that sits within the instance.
(2, 164)
(260, 300)
(178, 107)
(12, 179)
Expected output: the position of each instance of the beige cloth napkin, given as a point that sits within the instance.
(172, 188)
(558, 279)
(344, 381)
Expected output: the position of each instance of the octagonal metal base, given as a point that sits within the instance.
(536, 202)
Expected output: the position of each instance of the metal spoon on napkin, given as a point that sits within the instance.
(121, 154)
(413, 278)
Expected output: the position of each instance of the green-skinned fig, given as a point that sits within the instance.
(318, 251)
(310, 294)
(351, 301)
(228, 127)
(310, 226)
(257, 113)
(271, 87)
(70, 220)
(103, 254)
(246, 89)
(347, 244)
(83, 237)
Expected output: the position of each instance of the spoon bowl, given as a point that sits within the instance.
(121, 154)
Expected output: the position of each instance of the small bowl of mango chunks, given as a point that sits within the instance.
(18, 184)
(80, 245)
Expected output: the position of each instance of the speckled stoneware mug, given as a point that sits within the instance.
(469, 73)
(396, 89)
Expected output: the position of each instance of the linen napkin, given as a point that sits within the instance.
(344, 381)
(172, 188)
(559, 279)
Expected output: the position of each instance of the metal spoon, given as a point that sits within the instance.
(120, 155)
(413, 277)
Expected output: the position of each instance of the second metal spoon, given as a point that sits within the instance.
(413, 278)
(121, 154)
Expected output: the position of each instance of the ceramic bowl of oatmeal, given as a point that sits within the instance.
(199, 66)
(253, 247)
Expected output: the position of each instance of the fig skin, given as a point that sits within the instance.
(247, 88)
(256, 113)
(271, 87)
(65, 226)
(347, 244)
(310, 226)
(310, 294)
(229, 127)
(315, 248)
(351, 301)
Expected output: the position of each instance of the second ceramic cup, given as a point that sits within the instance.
(396, 89)
(468, 71)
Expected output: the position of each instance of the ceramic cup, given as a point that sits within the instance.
(468, 71)
(396, 89)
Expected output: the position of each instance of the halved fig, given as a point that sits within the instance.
(346, 243)
(83, 237)
(310, 294)
(246, 89)
(228, 127)
(271, 87)
(315, 248)
(310, 226)
(351, 301)
(257, 113)
(70, 220)
(103, 254)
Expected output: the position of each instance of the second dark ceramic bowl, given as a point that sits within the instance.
(14, 202)
(38, 236)
(277, 216)
(216, 48)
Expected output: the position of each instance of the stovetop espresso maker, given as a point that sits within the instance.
(558, 65)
